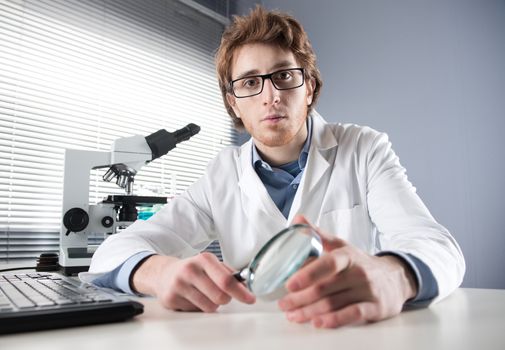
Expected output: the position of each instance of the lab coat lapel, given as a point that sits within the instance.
(316, 176)
(257, 203)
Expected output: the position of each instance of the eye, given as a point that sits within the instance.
(283, 75)
(250, 83)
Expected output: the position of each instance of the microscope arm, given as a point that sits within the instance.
(129, 154)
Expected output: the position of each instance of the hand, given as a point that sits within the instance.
(346, 286)
(199, 283)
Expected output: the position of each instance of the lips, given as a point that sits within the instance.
(273, 118)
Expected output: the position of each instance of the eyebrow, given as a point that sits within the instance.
(281, 64)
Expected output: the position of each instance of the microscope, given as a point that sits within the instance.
(124, 160)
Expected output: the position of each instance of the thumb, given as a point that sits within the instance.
(330, 242)
(300, 219)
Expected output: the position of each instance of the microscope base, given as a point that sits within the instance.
(73, 270)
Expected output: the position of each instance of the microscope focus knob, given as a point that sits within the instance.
(107, 221)
(75, 220)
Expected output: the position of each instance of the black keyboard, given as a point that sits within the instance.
(36, 301)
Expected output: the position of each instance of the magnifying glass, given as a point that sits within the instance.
(278, 259)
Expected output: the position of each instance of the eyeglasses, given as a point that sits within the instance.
(285, 79)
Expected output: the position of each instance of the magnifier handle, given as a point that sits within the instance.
(241, 275)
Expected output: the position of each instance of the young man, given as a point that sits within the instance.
(383, 249)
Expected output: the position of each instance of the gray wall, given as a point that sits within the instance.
(430, 73)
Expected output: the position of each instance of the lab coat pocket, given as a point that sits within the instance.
(351, 224)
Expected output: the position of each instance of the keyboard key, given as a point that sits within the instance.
(102, 299)
(5, 302)
(18, 298)
(44, 303)
(64, 301)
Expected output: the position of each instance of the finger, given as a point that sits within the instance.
(300, 219)
(221, 275)
(192, 279)
(207, 287)
(326, 305)
(198, 299)
(343, 282)
(322, 268)
(321, 290)
(353, 314)
(181, 304)
(329, 242)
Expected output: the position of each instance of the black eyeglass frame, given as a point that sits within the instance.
(263, 78)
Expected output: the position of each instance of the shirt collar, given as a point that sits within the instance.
(302, 159)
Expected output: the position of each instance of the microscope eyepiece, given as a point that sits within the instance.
(186, 132)
(162, 141)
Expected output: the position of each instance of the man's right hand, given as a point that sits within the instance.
(199, 283)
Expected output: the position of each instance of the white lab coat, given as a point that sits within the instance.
(353, 186)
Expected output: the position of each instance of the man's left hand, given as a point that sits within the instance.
(347, 286)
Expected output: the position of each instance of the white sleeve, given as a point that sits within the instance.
(403, 221)
(182, 228)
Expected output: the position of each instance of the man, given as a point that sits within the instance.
(383, 249)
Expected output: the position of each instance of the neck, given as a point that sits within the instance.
(279, 155)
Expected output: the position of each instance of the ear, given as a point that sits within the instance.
(230, 99)
(311, 86)
(233, 103)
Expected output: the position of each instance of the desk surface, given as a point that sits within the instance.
(468, 319)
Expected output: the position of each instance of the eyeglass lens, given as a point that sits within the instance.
(282, 80)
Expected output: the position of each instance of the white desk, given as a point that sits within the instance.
(469, 319)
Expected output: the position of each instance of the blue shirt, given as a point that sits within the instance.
(281, 183)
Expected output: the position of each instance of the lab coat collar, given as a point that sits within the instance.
(251, 186)
(323, 137)
(318, 163)
(323, 140)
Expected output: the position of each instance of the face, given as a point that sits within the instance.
(274, 118)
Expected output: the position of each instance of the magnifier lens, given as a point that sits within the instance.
(280, 258)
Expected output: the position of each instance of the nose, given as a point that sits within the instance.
(270, 94)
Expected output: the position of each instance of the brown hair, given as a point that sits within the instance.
(271, 27)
